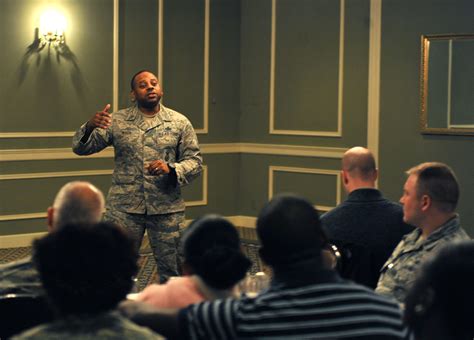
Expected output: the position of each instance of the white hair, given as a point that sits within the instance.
(78, 202)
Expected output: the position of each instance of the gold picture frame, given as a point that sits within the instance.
(447, 84)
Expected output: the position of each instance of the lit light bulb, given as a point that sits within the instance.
(52, 26)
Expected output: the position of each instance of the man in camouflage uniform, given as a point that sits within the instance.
(75, 202)
(156, 152)
(430, 196)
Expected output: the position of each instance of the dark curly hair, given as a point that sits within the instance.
(211, 247)
(86, 268)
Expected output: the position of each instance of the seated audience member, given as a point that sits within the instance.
(304, 300)
(86, 270)
(213, 265)
(366, 227)
(439, 305)
(430, 196)
(76, 202)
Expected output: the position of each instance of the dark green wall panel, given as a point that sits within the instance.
(307, 65)
(306, 69)
(254, 172)
(138, 43)
(83, 163)
(183, 57)
(35, 143)
(255, 69)
(224, 186)
(305, 184)
(401, 143)
(27, 226)
(462, 91)
(35, 195)
(224, 72)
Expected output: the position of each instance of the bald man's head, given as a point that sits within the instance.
(359, 163)
(76, 202)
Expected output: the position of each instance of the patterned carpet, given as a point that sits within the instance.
(147, 272)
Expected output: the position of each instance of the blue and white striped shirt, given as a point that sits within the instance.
(329, 310)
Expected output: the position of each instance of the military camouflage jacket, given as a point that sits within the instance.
(169, 137)
(20, 277)
(399, 272)
(104, 326)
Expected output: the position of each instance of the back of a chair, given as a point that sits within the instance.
(21, 312)
(357, 264)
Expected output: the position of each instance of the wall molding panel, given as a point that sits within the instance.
(115, 63)
(48, 154)
(5, 135)
(25, 240)
(57, 174)
(211, 148)
(26, 216)
(373, 114)
(271, 181)
(84, 173)
(272, 129)
(19, 240)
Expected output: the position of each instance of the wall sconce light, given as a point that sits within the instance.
(52, 27)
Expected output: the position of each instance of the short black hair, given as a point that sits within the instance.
(289, 228)
(443, 292)
(211, 246)
(86, 268)
(132, 81)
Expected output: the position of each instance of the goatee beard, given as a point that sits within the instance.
(148, 105)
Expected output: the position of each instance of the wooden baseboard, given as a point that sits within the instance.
(19, 240)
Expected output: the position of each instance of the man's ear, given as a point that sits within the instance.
(133, 98)
(344, 177)
(426, 202)
(376, 174)
(50, 218)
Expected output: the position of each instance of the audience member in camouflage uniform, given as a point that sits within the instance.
(156, 152)
(85, 283)
(430, 196)
(75, 202)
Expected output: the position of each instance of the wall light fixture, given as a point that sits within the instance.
(52, 27)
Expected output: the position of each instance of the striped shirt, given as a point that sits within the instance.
(332, 310)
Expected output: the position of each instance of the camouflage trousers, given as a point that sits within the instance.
(164, 233)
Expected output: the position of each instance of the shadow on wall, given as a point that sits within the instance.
(54, 51)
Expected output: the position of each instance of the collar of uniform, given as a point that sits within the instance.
(136, 115)
(365, 194)
(133, 113)
(164, 114)
(447, 228)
